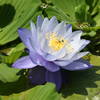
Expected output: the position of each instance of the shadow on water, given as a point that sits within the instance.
(80, 80)
(14, 87)
(7, 13)
(77, 83)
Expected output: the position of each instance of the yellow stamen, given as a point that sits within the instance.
(56, 43)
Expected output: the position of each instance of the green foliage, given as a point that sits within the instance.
(8, 74)
(13, 54)
(82, 14)
(68, 10)
(15, 14)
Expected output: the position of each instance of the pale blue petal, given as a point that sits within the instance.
(44, 25)
(25, 36)
(76, 56)
(68, 30)
(83, 44)
(24, 63)
(62, 62)
(74, 42)
(80, 55)
(74, 36)
(34, 37)
(36, 47)
(60, 29)
(39, 22)
(35, 42)
(34, 32)
(44, 45)
(65, 61)
(78, 65)
(42, 62)
(56, 55)
(52, 24)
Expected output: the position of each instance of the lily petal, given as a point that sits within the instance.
(60, 28)
(44, 25)
(83, 44)
(34, 32)
(52, 24)
(39, 22)
(25, 35)
(23, 63)
(75, 57)
(54, 56)
(78, 65)
(65, 61)
(39, 60)
(68, 30)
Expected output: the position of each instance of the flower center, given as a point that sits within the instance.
(56, 43)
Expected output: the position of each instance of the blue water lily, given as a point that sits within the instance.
(53, 46)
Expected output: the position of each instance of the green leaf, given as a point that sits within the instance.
(75, 12)
(13, 54)
(19, 47)
(94, 60)
(91, 34)
(45, 92)
(94, 6)
(66, 9)
(8, 74)
(97, 19)
(53, 11)
(15, 14)
(82, 14)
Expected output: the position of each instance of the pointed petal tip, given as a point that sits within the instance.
(80, 31)
(88, 41)
(20, 29)
(39, 17)
(15, 66)
(80, 64)
(31, 22)
(69, 25)
(54, 17)
(23, 63)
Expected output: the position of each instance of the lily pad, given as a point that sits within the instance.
(16, 14)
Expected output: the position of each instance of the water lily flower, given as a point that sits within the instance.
(53, 46)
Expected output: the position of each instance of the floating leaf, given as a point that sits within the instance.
(8, 74)
(97, 19)
(69, 11)
(13, 55)
(53, 11)
(15, 14)
(45, 92)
